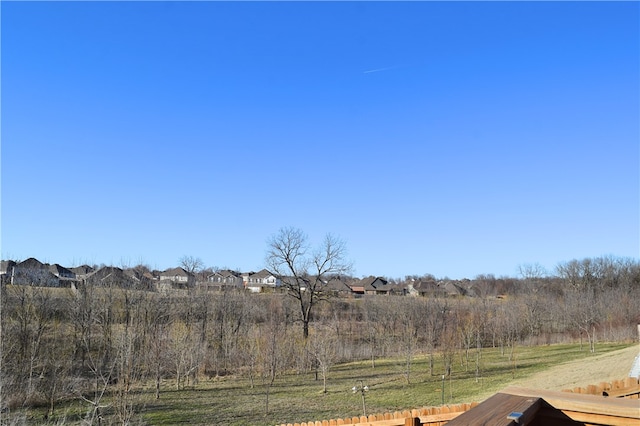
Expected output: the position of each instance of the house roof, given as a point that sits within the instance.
(82, 269)
(371, 283)
(454, 289)
(31, 263)
(173, 272)
(338, 285)
(426, 286)
(111, 275)
(262, 274)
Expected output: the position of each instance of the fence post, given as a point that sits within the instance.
(412, 421)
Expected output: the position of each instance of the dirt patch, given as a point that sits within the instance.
(580, 373)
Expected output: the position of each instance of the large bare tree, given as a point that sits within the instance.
(191, 264)
(304, 270)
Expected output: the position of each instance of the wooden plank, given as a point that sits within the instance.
(549, 416)
(600, 419)
(587, 404)
(497, 409)
(437, 418)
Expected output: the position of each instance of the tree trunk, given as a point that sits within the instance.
(52, 400)
(157, 385)
(305, 328)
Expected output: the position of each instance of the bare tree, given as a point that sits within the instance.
(274, 347)
(468, 330)
(303, 271)
(373, 327)
(323, 347)
(583, 310)
(532, 275)
(191, 264)
(185, 350)
(158, 360)
(229, 312)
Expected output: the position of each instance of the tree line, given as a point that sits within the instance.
(101, 344)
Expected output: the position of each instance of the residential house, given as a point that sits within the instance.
(34, 272)
(226, 277)
(258, 282)
(82, 271)
(111, 276)
(423, 288)
(178, 277)
(6, 266)
(338, 286)
(67, 277)
(453, 289)
(222, 279)
(371, 285)
(61, 272)
(144, 277)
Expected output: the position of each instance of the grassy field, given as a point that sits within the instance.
(298, 398)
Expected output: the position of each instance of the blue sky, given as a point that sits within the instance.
(449, 138)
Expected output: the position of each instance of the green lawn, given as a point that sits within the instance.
(299, 398)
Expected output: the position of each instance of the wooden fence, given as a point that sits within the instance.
(431, 416)
(625, 388)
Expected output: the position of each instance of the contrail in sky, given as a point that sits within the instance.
(378, 70)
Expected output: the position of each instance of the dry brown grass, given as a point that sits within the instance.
(583, 372)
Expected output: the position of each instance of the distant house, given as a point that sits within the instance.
(179, 276)
(371, 285)
(82, 271)
(258, 282)
(226, 277)
(140, 273)
(424, 288)
(144, 278)
(61, 271)
(6, 266)
(222, 279)
(33, 272)
(111, 276)
(453, 289)
(356, 288)
(337, 286)
(67, 277)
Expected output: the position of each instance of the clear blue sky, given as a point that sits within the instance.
(447, 138)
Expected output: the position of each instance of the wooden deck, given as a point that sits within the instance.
(521, 406)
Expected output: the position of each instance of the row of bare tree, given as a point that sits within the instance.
(101, 345)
